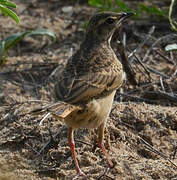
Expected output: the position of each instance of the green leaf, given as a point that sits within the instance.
(152, 10)
(109, 5)
(122, 6)
(7, 3)
(2, 46)
(9, 42)
(85, 24)
(173, 23)
(43, 32)
(171, 47)
(12, 40)
(2, 55)
(96, 3)
(10, 13)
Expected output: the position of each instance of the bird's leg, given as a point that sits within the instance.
(72, 147)
(101, 143)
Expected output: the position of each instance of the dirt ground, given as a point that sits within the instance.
(141, 136)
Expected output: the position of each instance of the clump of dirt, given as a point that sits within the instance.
(141, 137)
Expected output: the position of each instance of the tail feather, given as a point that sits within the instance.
(64, 110)
(59, 110)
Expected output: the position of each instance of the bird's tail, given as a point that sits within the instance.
(60, 110)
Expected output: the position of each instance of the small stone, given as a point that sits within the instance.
(67, 9)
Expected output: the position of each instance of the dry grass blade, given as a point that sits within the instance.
(105, 174)
(156, 151)
(164, 57)
(157, 72)
(143, 66)
(137, 50)
(163, 95)
(136, 99)
(125, 164)
(161, 39)
(126, 64)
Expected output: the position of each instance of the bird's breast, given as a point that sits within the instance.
(93, 114)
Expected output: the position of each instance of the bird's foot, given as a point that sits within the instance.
(79, 174)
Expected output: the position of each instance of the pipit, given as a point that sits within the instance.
(90, 79)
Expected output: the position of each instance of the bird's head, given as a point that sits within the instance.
(102, 25)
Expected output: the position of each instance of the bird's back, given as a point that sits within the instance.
(92, 72)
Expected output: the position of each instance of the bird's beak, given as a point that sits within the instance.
(124, 16)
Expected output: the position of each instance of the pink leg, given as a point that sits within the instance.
(72, 147)
(101, 144)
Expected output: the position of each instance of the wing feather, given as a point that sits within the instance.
(76, 90)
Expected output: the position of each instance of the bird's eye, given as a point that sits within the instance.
(110, 20)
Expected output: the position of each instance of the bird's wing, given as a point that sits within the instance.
(78, 89)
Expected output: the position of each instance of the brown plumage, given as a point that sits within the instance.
(90, 79)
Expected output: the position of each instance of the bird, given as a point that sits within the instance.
(90, 79)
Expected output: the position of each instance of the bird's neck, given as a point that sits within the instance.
(91, 40)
